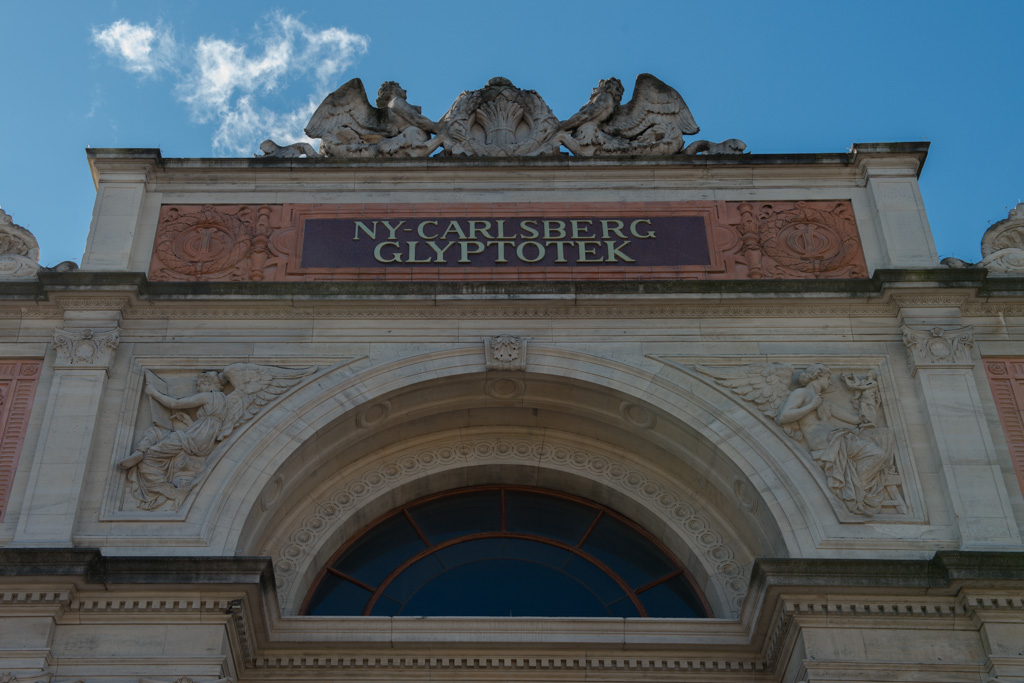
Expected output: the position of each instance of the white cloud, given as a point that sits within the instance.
(141, 48)
(223, 80)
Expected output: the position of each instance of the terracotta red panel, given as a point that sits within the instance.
(18, 381)
(1006, 377)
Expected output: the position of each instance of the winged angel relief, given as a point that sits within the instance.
(174, 451)
(503, 120)
(843, 436)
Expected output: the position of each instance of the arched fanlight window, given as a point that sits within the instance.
(504, 551)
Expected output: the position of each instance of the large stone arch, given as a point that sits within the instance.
(696, 444)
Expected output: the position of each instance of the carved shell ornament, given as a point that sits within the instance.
(502, 119)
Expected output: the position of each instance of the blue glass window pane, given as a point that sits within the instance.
(534, 551)
(623, 608)
(627, 553)
(381, 551)
(602, 584)
(385, 607)
(673, 598)
(336, 596)
(470, 551)
(543, 515)
(409, 581)
(503, 588)
(459, 515)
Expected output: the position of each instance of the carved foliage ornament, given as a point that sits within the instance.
(85, 348)
(503, 120)
(505, 352)
(939, 348)
(837, 418)
(174, 452)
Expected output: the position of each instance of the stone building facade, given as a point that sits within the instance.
(755, 361)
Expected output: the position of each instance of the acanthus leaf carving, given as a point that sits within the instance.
(85, 348)
(174, 452)
(505, 352)
(938, 348)
(846, 439)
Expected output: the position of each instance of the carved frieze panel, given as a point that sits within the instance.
(18, 381)
(936, 347)
(698, 240)
(838, 418)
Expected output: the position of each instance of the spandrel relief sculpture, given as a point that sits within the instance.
(837, 418)
(174, 452)
(501, 119)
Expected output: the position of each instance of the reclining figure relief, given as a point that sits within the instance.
(842, 430)
(174, 452)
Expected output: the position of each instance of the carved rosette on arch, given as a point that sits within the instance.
(837, 417)
(938, 348)
(800, 240)
(86, 348)
(505, 352)
(218, 243)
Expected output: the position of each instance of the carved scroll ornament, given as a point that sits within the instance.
(174, 451)
(843, 431)
(503, 120)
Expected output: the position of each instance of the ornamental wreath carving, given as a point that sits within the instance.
(216, 243)
(837, 418)
(501, 119)
(174, 452)
(800, 239)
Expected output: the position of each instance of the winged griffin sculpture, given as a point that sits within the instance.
(653, 122)
(167, 461)
(349, 126)
(503, 120)
(857, 455)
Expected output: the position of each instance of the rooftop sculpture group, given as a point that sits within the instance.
(503, 120)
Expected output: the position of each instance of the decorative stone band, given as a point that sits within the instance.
(698, 240)
(86, 349)
(938, 348)
(698, 531)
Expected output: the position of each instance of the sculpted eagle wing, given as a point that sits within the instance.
(346, 114)
(766, 385)
(653, 102)
(254, 387)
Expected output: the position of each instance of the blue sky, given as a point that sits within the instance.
(200, 79)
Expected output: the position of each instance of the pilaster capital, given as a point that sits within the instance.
(85, 349)
(937, 347)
